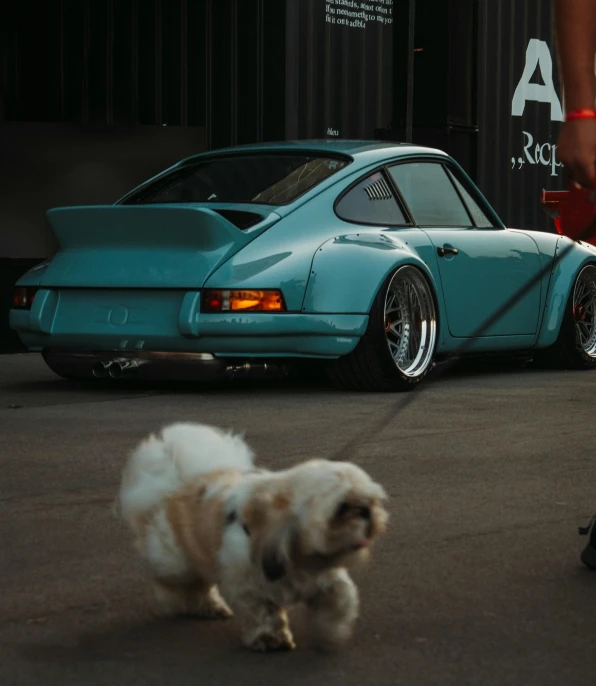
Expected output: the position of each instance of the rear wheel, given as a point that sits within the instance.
(397, 349)
(576, 344)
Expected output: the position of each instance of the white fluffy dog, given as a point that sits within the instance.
(204, 517)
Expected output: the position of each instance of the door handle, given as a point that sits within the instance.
(446, 250)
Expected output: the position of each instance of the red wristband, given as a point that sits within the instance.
(580, 114)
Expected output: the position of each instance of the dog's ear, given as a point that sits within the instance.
(274, 566)
(273, 533)
(278, 549)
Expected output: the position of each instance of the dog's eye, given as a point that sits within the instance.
(342, 510)
(364, 512)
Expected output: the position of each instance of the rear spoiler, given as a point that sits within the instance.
(572, 211)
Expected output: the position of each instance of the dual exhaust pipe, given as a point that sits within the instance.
(122, 367)
(261, 370)
(116, 369)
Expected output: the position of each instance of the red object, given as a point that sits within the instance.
(580, 114)
(573, 211)
(23, 297)
(579, 313)
(213, 302)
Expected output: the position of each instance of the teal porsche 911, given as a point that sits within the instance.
(374, 259)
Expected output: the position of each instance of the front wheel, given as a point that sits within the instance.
(397, 349)
(576, 344)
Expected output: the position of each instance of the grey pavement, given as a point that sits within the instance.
(478, 580)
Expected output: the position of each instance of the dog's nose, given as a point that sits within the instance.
(365, 512)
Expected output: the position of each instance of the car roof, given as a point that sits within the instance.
(361, 150)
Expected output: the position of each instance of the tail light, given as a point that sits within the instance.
(243, 301)
(23, 297)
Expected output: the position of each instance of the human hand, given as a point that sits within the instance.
(576, 149)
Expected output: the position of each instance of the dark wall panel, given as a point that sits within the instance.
(173, 61)
(197, 75)
(46, 165)
(75, 70)
(517, 155)
(443, 75)
(149, 62)
(463, 59)
(213, 63)
(249, 72)
(339, 68)
(223, 62)
(273, 60)
(101, 60)
(245, 53)
(124, 63)
(83, 81)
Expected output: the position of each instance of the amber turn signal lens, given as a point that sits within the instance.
(243, 301)
(22, 298)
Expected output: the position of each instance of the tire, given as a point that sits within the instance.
(575, 347)
(389, 357)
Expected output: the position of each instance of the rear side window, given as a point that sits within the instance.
(265, 179)
(371, 202)
(430, 194)
(478, 215)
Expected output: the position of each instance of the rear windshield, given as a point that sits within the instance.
(264, 179)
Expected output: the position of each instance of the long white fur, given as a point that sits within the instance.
(180, 455)
(162, 464)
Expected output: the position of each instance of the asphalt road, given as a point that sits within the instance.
(478, 580)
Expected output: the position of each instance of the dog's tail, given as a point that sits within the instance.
(162, 464)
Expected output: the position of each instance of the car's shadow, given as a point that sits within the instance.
(305, 380)
(305, 377)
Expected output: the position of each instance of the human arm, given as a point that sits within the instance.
(576, 38)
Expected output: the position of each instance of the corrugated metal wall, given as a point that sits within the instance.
(517, 155)
(440, 67)
(212, 63)
(339, 68)
(251, 70)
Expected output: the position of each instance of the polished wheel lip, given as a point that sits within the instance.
(410, 321)
(584, 310)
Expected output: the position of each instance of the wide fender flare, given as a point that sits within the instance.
(562, 281)
(347, 271)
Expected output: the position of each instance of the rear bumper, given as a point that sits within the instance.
(222, 335)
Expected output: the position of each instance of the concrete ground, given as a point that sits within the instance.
(478, 580)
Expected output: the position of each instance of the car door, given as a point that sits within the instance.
(482, 265)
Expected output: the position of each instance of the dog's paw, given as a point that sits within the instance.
(211, 611)
(265, 643)
(208, 605)
(170, 602)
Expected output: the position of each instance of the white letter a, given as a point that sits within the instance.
(537, 54)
